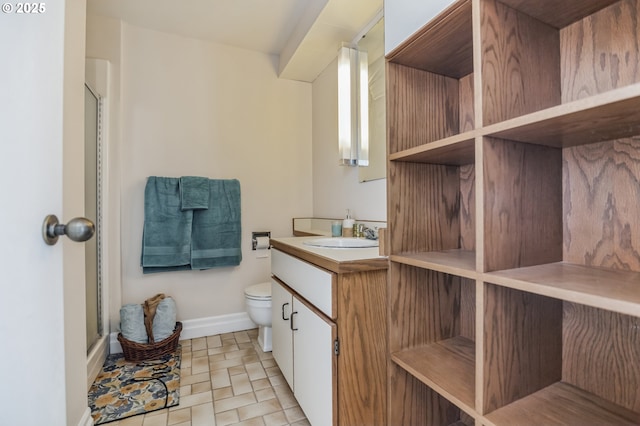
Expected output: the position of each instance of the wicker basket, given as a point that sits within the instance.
(134, 351)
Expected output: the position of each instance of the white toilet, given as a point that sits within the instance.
(258, 301)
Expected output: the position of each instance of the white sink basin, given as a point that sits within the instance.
(340, 242)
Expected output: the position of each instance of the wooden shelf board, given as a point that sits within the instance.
(611, 115)
(448, 367)
(564, 404)
(443, 46)
(456, 150)
(558, 14)
(454, 262)
(459, 423)
(613, 290)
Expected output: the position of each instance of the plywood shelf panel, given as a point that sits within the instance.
(448, 367)
(456, 150)
(455, 262)
(607, 116)
(558, 14)
(613, 290)
(562, 404)
(444, 46)
(610, 115)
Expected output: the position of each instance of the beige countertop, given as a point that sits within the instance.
(339, 260)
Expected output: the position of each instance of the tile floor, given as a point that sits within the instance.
(227, 380)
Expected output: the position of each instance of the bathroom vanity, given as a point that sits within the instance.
(329, 330)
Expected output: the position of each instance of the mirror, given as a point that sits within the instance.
(373, 44)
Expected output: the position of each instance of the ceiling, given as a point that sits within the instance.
(305, 34)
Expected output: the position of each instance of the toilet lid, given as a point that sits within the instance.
(259, 291)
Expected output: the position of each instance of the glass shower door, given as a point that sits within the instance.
(91, 131)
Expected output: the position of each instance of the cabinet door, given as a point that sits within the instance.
(315, 364)
(282, 337)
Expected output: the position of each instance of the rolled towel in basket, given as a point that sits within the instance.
(149, 308)
(132, 323)
(164, 321)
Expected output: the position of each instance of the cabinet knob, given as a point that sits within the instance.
(291, 324)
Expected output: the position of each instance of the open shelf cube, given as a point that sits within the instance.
(537, 55)
(447, 366)
(430, 83)
(576, 205)
(548, 361)
(445, 197)
(436, 313)
(418, 404)
(522, 204)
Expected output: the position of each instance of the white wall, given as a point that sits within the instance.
(404, 17)
(191, 107)
(336, 188)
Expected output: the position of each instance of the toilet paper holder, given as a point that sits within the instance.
(254, 238)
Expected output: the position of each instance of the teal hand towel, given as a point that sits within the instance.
(132, 323)
(166, 236)
(215, 240)
(164, 321)
(194, 193)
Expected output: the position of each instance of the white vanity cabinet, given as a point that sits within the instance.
(303, 337)
(281, 332)
(329, 334)
(314, 369)
(303, 347)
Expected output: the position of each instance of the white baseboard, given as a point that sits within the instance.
(95, 359)
(86, 419)
(201, 327)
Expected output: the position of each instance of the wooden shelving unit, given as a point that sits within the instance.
(455, 261)
(451, 379)
(513, 215)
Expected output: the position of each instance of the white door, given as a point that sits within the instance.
(41, 122)
(281, 335)
(314, 370)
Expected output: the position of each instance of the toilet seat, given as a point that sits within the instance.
(260, 291)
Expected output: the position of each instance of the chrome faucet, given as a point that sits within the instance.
(362, 231)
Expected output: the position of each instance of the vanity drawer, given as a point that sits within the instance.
(313, 283)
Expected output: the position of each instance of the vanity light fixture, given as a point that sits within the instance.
(353, 107)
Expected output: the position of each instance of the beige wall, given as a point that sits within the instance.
(196, 108)
(336, 188)
(191, 107)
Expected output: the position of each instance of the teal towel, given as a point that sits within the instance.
(166, 236)
(164, 322)
(215, 240)
(194, 193)
(132, 323)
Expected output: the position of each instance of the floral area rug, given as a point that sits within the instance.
(124, 389)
